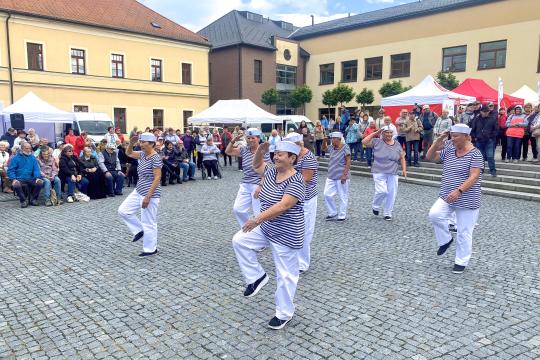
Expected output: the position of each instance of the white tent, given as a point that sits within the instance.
(527, 94)
(427, 92)
(36, 110)
(234, 112)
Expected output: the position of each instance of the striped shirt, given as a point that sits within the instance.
(456, 171)
(250, 175)
(309, 162)
(145, 170)
(336, 163)
(288, 228)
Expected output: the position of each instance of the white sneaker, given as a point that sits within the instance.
(69, 199)
(215, 177)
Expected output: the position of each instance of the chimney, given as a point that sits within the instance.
(312, 20)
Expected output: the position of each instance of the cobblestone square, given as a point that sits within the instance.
(72, 285)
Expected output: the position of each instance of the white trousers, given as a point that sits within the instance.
(333, 188)
(128, 212)
(244, 202)
(440, 214)
(246, 245)
(310, 215)
(386, 187)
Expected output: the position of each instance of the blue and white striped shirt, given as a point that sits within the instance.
(288, 228)
(456, 171)
(309, 162)
(336, 163)
(250, 175)
(145, 170)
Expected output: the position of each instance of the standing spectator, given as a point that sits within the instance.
(325, 124)
(460, 192)
(351, 138)
(428, 119)
(9, 136)
(485, 129)
(70, 172)
(110, 136)
(303, 124)
(119, 134)
(417, 110)
(392, 127)
(467, 116)
(80, 143)
(226, 138)
(501, 137)
(49, 175)
(319, 137)
(70, 138)
(199, 140)
(90, 170)
(362, 126)
(529, 116)
(516, 124)
(273, 140)
(345, 118)
(309, 140)
(133, 132)
(337, 181)
(189, 145)
(443, 123)
(413, 131)
(388, 155)
(210, 161)
(4, 159)
(369, 151)
(379, 121)
(401, 124)
(535, 131)
(23, 171)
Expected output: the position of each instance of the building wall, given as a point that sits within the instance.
(250, 89)
(294, 49)
(97, 89)
(425, 38)
(224, 70)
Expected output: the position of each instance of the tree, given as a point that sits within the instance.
(365, 97)
(329, 99)
(343, 94)
(447, 80)
(270, 97)
(392, 88)
(300, 96)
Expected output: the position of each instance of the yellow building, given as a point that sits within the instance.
(472, 38)
(117, 57)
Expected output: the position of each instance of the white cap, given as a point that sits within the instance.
(111, 146)
(147, 137)
(336, 134)
(386, 128)
(425, 106)
(253, 132)
(460, 128)
(288, 146)
(294, 137)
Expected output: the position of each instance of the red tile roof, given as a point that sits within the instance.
(124, 15)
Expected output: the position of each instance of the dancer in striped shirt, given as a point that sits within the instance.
(279, 225)
(146, 195)
(460, 191)
(337, 181)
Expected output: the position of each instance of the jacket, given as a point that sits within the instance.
(413, 129)
(48, 168)
(9, 138)
(520, 121)
(69, 165)
(88, 163)
(485, 128)
(172, 157)
(23, 167)
(109, 162)
(442, 125)
(352, 133)
(188, 142)
(428, 120)
(401, 124)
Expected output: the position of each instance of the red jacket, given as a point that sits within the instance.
(70, 139)
(502, 121)
(79, 145)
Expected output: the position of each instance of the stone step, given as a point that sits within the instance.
(531, 193)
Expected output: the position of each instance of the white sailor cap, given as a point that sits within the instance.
(336, 134)
(460, 128)
(294, 137)
(253, 132)
(288, 146)
(147, 137)
(386, 128)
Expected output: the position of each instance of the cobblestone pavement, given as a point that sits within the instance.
(72, 286)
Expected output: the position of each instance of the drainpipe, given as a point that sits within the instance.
(9, 60)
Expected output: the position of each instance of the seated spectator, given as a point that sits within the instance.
(49, 175)
(101, 146)
(4, 158)
(70, 172)
(184, 161)
(34, 140)
(57, 152)
(91, 171)
(110, 166)
(42, 142)
(23, 171)
(170, 161)
(21, 137)
(210, 161)
(120, 135)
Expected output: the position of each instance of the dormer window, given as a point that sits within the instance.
(287, 26)
(254, 17)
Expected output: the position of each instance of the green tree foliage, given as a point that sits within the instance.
(300, 96)
(447, 80)
(270, 97)
(343, 94)
(329, 99)
(365, 97)
(392, 88)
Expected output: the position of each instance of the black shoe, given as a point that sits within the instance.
(34, 203)
(143, 254)
(277, 324)
(24, 204)
(388, 218)
(253, 289)
(118, 194)
(452, 228)
(162, 184)
(416, 165)
(375, 212)
(442, 249)
(110, 195)
(458, 269)
(409, 164)
(138, 236)
(330, 218)
(341, 219)
(192, 179)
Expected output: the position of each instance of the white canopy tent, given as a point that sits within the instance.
(428, 91)
(233, 112)
(38, 114)
(527, 94)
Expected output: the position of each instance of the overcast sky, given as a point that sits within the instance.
(196, 14)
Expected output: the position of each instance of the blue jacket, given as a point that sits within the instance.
(23, 167)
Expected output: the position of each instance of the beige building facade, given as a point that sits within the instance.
(137, 78)
(485, 40)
